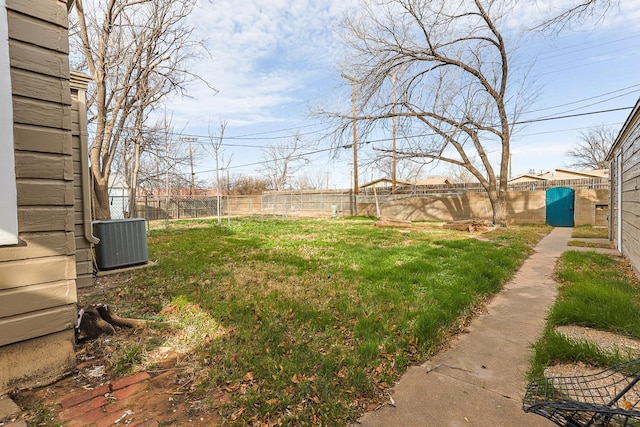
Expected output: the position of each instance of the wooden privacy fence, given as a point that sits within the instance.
(526, 203)
(585, 183)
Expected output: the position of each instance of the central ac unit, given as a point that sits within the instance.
(123, 242)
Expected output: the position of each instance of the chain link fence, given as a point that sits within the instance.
(119, 206)
(176, 207)
(313, 203)
(283, 204)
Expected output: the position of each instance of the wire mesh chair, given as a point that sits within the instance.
(607, 398)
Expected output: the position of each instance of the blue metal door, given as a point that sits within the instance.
(560, 206)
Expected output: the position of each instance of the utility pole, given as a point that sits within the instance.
(228, 199)
(191, 139)
(393, 131)
(355, 140)
(168, 190)
(216, 148)
(166, 139)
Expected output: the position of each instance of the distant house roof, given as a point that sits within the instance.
(558, 174)
(624, 132)
(386, 182)
(439, 180)
(116, 181)
(526, 178)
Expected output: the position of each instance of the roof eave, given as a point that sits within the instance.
(626, 128)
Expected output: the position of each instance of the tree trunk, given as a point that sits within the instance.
(499, 207)
(133, 185)
(101, 207)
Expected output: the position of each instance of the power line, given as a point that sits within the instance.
(325, 130)
(570, 49)
(600, 102)
(544, 119)
(564, 130)
(581, 65)
(366, 142)
(586, 99)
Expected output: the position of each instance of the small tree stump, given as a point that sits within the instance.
(389, 222)
(97, 319)
(470, 225)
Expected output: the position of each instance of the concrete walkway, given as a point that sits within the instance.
(480, 379)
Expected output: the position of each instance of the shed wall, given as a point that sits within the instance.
(629, 180)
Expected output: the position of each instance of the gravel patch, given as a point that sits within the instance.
(607, 341)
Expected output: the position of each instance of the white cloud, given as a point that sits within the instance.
(270, 58)
(266, 54)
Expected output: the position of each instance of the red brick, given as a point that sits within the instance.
(126, 392)
(147, 423)
(118, 406)
(83, 396)
(124, 382)
(163, 376)
(110, 419)
(88, 418)
(83, 408)
(75, 423)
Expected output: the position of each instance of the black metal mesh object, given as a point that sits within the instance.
(608, 398)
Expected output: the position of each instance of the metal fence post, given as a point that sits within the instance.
(146, 211)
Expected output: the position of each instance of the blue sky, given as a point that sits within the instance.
(273, 59)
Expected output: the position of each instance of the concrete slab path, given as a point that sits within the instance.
(480, 379)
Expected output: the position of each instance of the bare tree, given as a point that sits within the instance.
(137, 52)
(313, 179)
(407, 169)
(592, 151)
(130, 156)
(577, 13)
(248, 185)
(215, 148)
(456, 96)
(460, 175)
(284, 159)
(160, 163)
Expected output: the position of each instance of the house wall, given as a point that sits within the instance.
(624, 215)
(81, 192)
(37, 276)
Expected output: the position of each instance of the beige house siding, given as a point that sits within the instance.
(37, 276)
(624, 217)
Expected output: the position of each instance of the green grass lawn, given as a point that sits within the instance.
(587, 244)
(590, 232)
(310, 322)
(596, 291)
